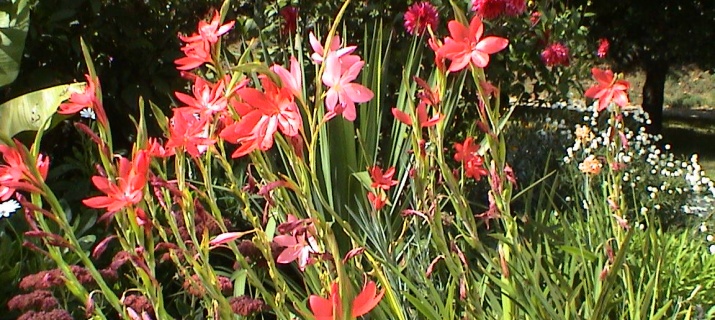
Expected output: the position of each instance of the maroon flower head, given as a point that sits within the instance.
(290, 19)
(420, 16)
(246, 306)
(37, 300)
(555, 54)
(55, 314)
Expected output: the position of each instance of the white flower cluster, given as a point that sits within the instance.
(656, 172)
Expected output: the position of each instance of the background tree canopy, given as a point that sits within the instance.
(656, 35)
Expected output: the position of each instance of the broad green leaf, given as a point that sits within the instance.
(14, 23)
(31, 111)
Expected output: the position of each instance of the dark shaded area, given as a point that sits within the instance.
(656, 35)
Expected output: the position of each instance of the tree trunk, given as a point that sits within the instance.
(653, 91)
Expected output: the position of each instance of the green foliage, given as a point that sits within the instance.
(14, 23)
(34, 111)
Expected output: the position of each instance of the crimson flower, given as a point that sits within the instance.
(290, 19)
(555, 54)
(189, 131)
(126, 190)
(207, 98)
(422, 117)
(85, 99)
(326, 309)
(420, 16)
(343, 93)
(16, 175)
(608, 89)
(466, 45)
(602, 47)
(382, 180)
(492, 9)
(262, 115)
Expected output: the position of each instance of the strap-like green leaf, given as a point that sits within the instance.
(14, 23)
(31, 111)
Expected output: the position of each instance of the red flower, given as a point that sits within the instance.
(126, 189)
(198, 45)
(197, 53)
(466, 45)
(381, 179)
(535, 17)
(608, 89)
(366, 300)
(489, 9)
(515, 7)
(343, 93)
(262, 115)
(189, 131)
(474, 168)
(377, 200)
(466, 150)
(85, 99)
(207, 99)
(211, 31)
(422, 117)
(555, 54)
(290, 19)
(602, 48)
(16, 175)
(420, 16)
(297, 247)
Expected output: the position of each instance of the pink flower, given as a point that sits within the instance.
(319, 51)
(423, 119)
(420, 16)
(602, 47)
(466, 45)
(343, 93)
(515, 7)
(198, 45)
(364, 302)
(298, 247)
(293, 79)
(608, 89)
(534, 18)
(555, 54)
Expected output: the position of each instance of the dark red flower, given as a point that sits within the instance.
(555, 54)
(420, 16)
(290, 19)
(488, 9)
(602, 47)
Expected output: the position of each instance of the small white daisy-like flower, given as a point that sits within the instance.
(8, 207)
(712, 249)
(88, 113)
(703, 228)
(709, 238)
